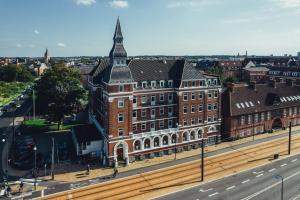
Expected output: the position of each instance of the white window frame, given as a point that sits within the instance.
(153, 84)
(193, 107)
(193, 96)
(170, 83)
(143, 126)
(161, 97)
(121, 88)
(185, 96)
(185, 110)
(120, 130)
(161, 83)
(161, 124)
(121, 103)
(143, 112)
(119, 116)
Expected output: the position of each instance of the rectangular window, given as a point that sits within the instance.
(185, 110)
(170, 97)
(153, 99)
(215, 106)
(153, 84)
(144, 111)
(152, 125)
(209, 119)
(193, 96)
(185, 84)
(200, 95)
(144, 84)
(134, 100)
(200, 120)
(256, 118)
(200, 108)
(209, 107)
(185, 123)
(216, 94)
(262, 117)
(144, 99)
(192, 121)
(249, 119)
(209, 94)
(193, 83)
(185, 97)
(143, 126)
(134, 113)
(162, 83)
(170, 111)
(153, 112)
(120, 132)
(170, 83)
(120, 103)
(242, 120)
(161, 110)
(161, 123)
(161, 97)
(170, 123)
(120, 117)
(121, 88)
(192, 108)
(215, 118)
(134, 127)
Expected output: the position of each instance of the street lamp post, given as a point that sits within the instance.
(290, 137)
(34, 172)
(280, 178)
(177, 130)
(6, 170)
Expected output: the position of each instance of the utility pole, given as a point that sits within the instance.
(202, 160)
(290, 137)
(33, 103)
(52, 164)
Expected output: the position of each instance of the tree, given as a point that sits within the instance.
(60, 90)
(13, 72)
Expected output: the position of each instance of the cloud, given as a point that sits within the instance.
(61, 44)
(19, 45)
(119, 4)
(287, 3)
(36, 32)
(86, 2)
(190, 3)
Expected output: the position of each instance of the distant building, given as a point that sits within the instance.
(298, 56)
(151, 107)
(231, 68)
(258, 108)
(46, 57)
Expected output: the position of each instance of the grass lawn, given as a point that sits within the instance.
(42, 126)
(9, 91)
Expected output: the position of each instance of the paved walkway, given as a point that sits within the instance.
(54, 187)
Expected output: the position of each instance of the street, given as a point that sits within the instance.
(259, 183)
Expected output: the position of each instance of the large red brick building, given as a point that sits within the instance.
(149, 107)
(257, 108)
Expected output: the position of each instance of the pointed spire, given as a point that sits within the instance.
(118, 32)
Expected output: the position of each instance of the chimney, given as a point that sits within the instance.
(230, 86)
(252, 85)
(272, 83)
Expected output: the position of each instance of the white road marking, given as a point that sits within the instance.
(245, 181)
(259, 175)
(229, 188)
(294, 160)
(269, 187)
(272, 169)
(213, 194)
(202, 190)
(284, 164)
(258, 172)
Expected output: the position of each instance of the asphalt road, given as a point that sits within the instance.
(257, 184)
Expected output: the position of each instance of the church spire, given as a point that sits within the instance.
(118, 53)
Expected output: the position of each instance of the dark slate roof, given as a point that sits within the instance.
(190, 72)
(264, 98)
(117, 74)
(118, 50)
(99, 71)
(150, 70)
(87, 133)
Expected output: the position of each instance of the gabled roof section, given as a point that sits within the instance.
(190, 72)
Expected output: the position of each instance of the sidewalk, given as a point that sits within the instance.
(79, 175)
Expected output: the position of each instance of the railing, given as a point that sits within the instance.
(154, 133)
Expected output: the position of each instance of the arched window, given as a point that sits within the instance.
(165, 140)
(200, 135)
(156, 142)
(147, 144)
(137, 145)
(211, 129)
(184, 136)
(192, 136)
(174, 138)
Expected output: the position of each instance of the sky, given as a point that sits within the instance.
(150, 27)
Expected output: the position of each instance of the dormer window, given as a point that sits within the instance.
(215, 82)
(193, 84)
(170, 83)
(162, 83)
(121, 88)
(185, 84)
(153, 84)
(209, 82)
(144, 84)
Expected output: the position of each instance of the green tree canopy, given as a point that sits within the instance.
(13, 72)
(60, 90)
